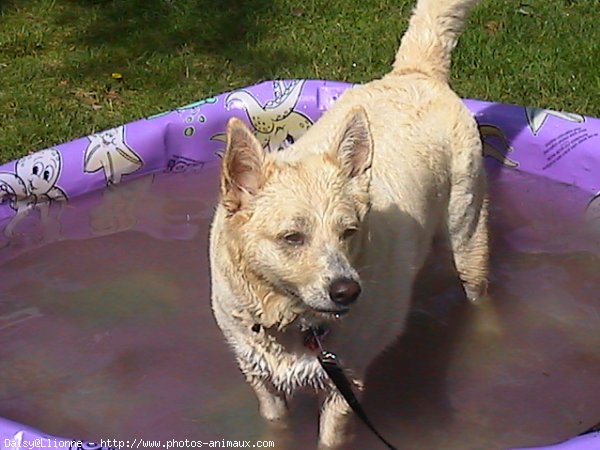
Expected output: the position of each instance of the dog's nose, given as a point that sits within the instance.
(344, 291)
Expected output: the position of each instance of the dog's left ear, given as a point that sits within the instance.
(354, 150)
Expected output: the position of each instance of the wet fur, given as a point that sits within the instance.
(399, 159)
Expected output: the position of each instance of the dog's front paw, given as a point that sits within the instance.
(335, 443)
(336, 423)
(338, 438)
(280, 433)
(273, 408)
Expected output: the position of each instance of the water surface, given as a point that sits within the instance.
(106, 330)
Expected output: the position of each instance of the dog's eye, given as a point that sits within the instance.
(349, 232)
(294, 238)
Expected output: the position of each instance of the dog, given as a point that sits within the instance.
(330, 233)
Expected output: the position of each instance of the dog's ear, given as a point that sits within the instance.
(354, 150)
(242, 170)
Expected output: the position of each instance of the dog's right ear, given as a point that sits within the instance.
(354, 151)
(242, 170)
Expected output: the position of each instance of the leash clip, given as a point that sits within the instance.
(332, 367)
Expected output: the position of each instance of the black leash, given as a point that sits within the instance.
(330, 364)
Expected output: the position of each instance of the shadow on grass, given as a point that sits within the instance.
(216, 31)
(7, 5)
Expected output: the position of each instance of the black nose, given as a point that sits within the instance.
(344, 291)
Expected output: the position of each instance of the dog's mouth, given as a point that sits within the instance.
(332, 313)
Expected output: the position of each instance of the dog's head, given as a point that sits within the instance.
(291, 220)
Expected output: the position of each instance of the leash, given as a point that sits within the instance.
(330, 364)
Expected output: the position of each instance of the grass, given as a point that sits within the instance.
(57, 57)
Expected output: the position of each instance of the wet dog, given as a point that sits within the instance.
(330, 233)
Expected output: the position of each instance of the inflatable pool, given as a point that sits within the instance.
(75, 220)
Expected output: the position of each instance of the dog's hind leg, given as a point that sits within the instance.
(468, 234)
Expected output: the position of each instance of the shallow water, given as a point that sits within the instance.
(106, 330)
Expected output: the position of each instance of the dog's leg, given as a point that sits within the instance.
(272, 404)
(468, 234)
(335, 422)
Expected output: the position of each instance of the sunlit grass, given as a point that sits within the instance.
(57, 58)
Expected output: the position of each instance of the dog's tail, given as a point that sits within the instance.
(432, 34)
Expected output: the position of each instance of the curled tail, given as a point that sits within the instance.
(432, 34)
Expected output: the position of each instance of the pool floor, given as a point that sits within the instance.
(106, 333)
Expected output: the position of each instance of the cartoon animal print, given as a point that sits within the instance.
(497, 148)
(109, 152)
(536, 117)
(181, 164)
(32, 186)
(277, 125)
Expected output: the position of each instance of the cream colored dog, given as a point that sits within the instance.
(331, 232)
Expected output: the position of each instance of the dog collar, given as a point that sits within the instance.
(311, 336)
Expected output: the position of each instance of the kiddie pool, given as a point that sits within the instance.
(543, 169)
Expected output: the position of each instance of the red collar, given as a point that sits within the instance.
(314, 336)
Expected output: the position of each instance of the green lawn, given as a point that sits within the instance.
(57, 57)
